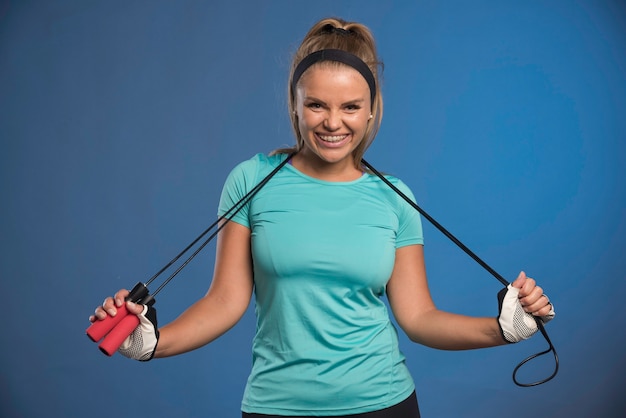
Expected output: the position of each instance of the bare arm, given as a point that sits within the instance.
(423, 323)
(225, 302)
(214, 314)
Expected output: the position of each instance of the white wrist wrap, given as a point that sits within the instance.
(515, 323)
(141, 343)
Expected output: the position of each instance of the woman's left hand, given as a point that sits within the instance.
(531, 296)
(520, 302)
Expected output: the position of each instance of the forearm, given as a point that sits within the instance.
(418, 316)
(448, 331)
(200, 324)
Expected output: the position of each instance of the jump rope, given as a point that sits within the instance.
(113, 330)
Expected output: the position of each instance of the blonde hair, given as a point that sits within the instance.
(358, 41)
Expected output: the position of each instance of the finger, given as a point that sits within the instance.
(520, 280)
(528, 288)
(108, 307)
(120, 296)
(134, 308)
(99, 314)
(529, 295)
(535, 301)
(547, 308)
(543, 311)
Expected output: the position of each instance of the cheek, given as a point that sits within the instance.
(358, 123)
(308, 122)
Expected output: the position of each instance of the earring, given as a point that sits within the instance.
(371, 116)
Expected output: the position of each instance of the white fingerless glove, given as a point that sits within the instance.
(141, 344)
(515, 323)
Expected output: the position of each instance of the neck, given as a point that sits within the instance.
(317, 168)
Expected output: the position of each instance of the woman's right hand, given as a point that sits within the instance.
(110, 305)
(141, 343)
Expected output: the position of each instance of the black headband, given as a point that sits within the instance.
(339, 56)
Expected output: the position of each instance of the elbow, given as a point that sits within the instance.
(413, 333)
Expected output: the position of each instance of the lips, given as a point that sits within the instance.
(333, 140)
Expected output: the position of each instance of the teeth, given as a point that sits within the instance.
(332, 138)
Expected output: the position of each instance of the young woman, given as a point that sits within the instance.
(319, 245)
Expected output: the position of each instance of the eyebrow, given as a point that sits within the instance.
(349, 102)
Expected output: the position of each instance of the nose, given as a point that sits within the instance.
(333, 120)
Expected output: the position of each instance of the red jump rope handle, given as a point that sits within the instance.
(100, 328)
(118, 334)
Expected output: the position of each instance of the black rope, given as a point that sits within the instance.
(486, 267)
(227, 216)
(230, 214)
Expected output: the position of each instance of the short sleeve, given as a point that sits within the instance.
(410, 223)
(238, 183)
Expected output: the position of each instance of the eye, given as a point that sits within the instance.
(352, 108)
(314, 106)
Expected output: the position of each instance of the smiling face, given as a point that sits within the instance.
(333, 108)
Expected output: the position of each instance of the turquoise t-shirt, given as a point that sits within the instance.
(322, 255)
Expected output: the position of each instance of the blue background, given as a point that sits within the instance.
(119, 121)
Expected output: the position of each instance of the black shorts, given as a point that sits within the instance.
(408, 408)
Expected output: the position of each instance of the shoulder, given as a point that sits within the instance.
(242, 179)
(401, 186)
(386, 189)
(257, 166)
